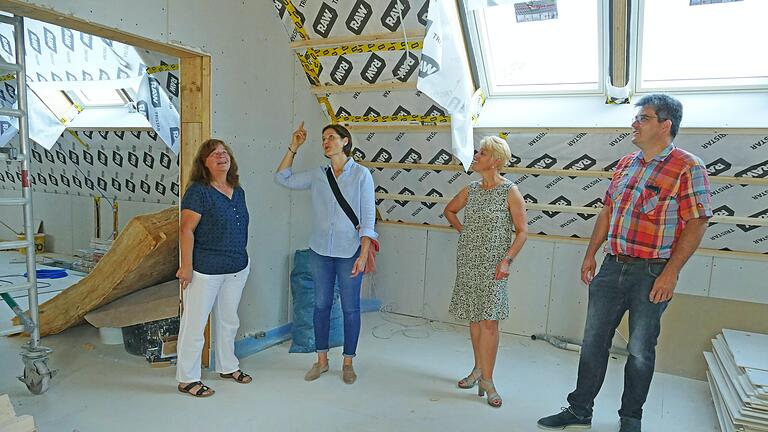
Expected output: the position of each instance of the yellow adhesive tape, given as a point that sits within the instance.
(370, 47)
(296, 18)
(392, 119)
(309, 69)
(162, 68)
(324, 100)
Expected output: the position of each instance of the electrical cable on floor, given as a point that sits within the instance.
(413, 331)
(421, 330)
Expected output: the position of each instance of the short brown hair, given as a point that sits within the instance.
(200, 172)
(343, 133)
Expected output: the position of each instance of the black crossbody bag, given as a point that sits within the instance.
(370, 263)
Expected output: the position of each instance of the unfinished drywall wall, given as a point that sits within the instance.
(254, 107)
(417, 268)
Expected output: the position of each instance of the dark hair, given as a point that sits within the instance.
(200, 172)
(343, 133)
(666, 107)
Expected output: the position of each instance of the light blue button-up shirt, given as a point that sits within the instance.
(332, 232)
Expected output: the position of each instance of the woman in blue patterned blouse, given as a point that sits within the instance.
(338, 248)
(214, 265)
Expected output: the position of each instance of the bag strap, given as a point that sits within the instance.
(340, 198)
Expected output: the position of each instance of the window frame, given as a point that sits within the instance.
(471, 23)
(636, 64)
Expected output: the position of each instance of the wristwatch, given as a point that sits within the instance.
(508, 259)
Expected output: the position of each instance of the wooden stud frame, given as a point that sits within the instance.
(195, 86)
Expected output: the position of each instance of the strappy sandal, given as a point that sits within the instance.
(486, 386)
(470, 380)
(239, 376)
(203, 391)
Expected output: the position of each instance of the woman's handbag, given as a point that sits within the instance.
(370, 261)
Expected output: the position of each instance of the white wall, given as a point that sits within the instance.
(417, 267)
(68, 220)
(257, 94)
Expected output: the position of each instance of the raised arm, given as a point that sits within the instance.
(284, 175)
(298, 138)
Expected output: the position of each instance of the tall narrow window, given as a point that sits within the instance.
(702, 45)
(546, 46)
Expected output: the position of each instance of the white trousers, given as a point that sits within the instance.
(220, 293)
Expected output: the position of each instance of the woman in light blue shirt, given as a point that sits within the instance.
(338, 248)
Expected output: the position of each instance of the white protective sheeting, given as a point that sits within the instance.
(74, 59)
(444, 74)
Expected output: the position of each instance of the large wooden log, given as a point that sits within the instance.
(145, 253)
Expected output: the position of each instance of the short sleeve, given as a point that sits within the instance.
(694, 196)
(194, 199)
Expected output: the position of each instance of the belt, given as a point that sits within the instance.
(630, 259)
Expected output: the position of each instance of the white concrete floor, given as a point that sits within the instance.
(406, 383)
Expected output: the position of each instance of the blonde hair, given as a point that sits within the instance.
(498, 148)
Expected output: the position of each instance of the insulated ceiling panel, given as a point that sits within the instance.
(340, 18)
(125, 165)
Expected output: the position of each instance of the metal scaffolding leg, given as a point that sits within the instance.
(37, 375)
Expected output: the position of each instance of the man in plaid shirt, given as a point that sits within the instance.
(655, 214)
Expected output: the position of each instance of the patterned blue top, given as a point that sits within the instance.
(332, 232)
(222, 233)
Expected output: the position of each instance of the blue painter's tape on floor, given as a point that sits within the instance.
(248, 346)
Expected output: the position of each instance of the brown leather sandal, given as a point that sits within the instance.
(239, 376)
(203, 391)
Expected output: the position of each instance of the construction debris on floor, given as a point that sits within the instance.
(738, 378)
(9, 422)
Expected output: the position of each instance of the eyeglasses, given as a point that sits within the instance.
(219, 153)
(642, 118)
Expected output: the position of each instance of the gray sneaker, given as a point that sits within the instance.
(565, 420)
(629, 424)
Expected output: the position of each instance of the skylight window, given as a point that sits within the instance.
(60, 105)
(544, 46)
(101, 97)
(702, 45)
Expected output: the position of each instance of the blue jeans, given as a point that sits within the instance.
(325, 272)
(616, 288)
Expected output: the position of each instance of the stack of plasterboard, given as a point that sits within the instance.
(738, 377)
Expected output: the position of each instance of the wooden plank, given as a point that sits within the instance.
(550, 172)
(619, 24)
(569, 130)
(195, 128)
(410, 35)
(191, 138)
(205, 103)
(191, 89)
(352, 88)
(23, 8)
(396, 128)
(144, 254)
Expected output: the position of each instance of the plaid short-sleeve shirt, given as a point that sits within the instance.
(650, 202)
